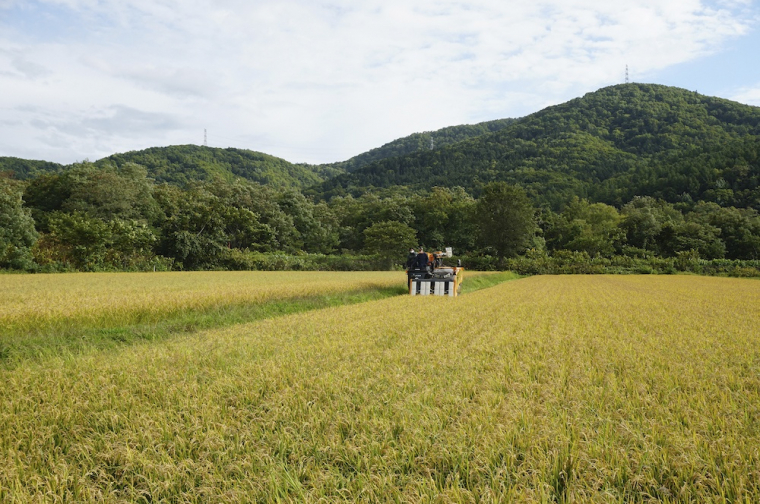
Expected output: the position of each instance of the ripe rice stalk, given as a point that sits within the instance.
(547, 389)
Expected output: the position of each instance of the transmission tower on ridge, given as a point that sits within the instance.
(205, 138)
(626, 74)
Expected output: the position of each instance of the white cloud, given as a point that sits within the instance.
(748, 95)
(321, 80)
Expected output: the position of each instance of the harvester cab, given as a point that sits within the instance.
(436, 278)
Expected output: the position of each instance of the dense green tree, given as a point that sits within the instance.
(131, 242)
(325, 237)
(460, 232)
(17, 232)
(277, 229)
(315, 226)
(692, 235)
(45, 195)
(78, 240)
(357, 214)
(443, 218)
(390, 240)
(506, 219)
(112, 193)
(193, 232)
(243, 229)
(739, 229)
(643, 221)
(593, 228)
(102, 192)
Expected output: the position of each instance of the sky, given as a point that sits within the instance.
(319, 81)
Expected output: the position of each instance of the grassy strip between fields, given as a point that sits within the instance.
(77, 339)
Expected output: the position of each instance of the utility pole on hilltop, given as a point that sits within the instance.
(205, 138)
(626, 74)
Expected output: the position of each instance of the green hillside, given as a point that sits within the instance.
(25, 169)
(610, 145)
(430, 140)
(180, 164)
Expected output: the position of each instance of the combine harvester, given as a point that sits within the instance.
(435, 279)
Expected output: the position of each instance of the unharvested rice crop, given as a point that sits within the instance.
(564, 389)
(103, 299)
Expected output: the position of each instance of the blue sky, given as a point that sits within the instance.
(320, 81)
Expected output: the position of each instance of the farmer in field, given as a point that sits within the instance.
(410, 258)
(422, 260)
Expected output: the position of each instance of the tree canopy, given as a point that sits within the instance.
(17, 232)
(505, 219)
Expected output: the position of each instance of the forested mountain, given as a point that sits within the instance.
(25, 169)
(429, 140)
(609, 146)
(180, 164)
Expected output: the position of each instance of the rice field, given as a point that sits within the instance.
(545, 389)
(64, 315)
(36, 301)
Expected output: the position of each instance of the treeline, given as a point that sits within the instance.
(91, 218)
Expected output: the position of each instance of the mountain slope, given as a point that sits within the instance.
(605, 145)
(426, 141)
(180, 164)
(24, 169)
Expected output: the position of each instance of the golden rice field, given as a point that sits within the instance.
(102, 298)
(545, 389)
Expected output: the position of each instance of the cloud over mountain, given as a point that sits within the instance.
(321, 81)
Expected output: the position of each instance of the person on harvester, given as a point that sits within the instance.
(422, 261)
(411, 258)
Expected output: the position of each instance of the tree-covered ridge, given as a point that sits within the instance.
(601, 146)
(429, 140)
(180, 164)
(727, 174)
(25, 169)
